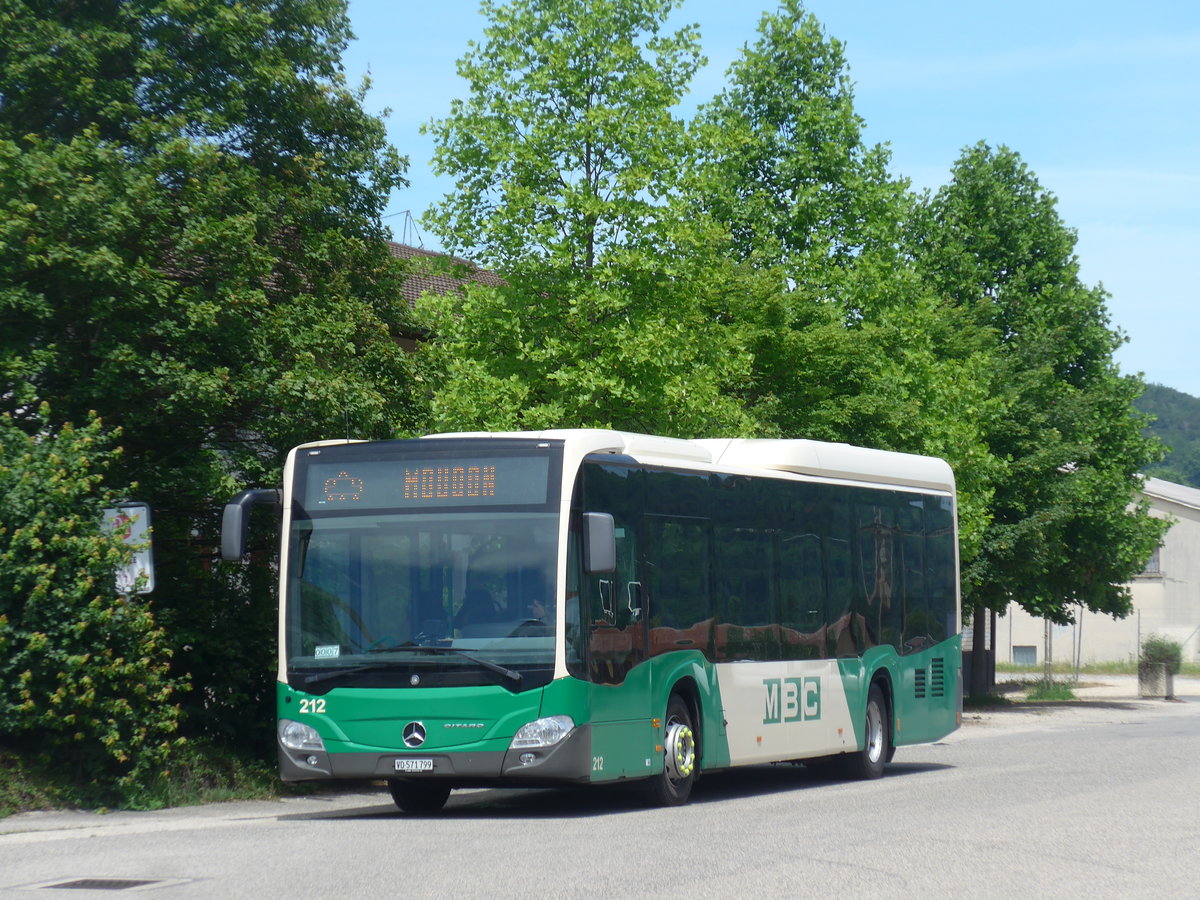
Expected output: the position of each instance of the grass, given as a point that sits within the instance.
(25, 785)
(198, 774)
(1055, 690)
(1128, 667)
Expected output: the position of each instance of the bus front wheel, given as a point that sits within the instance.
(419, 796)
(673, 785)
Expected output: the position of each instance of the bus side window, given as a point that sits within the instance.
(744, 586)
(875, 600)
(802, 597)
(912, 602)
(841, 588)
(678, 594)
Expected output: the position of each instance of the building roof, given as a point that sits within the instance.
(1172, 492)
(437, 273)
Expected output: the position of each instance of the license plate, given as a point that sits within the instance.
(414, 765)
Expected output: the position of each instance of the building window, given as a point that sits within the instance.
(1152, 565)
(1024, 655)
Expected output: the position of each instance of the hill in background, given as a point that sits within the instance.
(1177, 424)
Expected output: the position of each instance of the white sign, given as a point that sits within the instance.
(131, 521)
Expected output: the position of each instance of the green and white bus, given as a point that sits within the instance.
(587, 606)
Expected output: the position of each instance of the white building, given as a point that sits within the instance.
(1166, 598)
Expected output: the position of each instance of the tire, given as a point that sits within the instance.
(869, 762)
(419, 796)
(673, 785)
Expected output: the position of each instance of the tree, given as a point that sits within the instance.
(847, 341)
(83, 673)
(191, 245)
(783, 166)
(1065, 525)
(566, 158)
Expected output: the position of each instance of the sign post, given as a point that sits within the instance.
(131, 521)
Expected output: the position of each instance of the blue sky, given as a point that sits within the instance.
(1101, 99)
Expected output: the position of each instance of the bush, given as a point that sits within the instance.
(84, 680)
(1157, 649)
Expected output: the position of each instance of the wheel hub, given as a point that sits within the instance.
(680, 749)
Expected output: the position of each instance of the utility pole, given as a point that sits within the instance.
(1048, 654)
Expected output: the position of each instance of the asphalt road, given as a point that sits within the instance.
(1099, 800)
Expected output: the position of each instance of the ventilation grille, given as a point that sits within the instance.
(930, 682)
(937, 687)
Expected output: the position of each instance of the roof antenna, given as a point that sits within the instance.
(410, 231)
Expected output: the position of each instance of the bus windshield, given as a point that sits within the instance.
(419, 562)
(389, 588)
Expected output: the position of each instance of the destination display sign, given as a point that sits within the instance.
(413, 483)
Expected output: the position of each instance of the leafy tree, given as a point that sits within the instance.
(1065, 527)
(83, 673)
(782, 163)
(975, 342)
(847, 342)
(566, 158)
(191, 245)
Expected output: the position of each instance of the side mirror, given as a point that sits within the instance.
(599, 543)
(236, 517)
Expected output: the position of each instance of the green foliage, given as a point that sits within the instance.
(1050, 691)
(566, 156)
(203, 772)
(190, 244)
(1176, 422)
(196, 772)
(1064, 525)
(846, 341)
(1159, 650)
(782, 165)
(84, 673)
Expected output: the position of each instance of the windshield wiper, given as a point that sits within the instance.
(337, 673)
(485, 663)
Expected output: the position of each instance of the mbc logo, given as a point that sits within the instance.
(792, 700)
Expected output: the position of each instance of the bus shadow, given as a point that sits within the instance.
(607, 800)
(744, 783)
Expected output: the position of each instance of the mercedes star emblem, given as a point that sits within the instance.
(414, 734)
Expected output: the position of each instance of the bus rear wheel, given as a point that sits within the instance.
(673, 785)
(870, 761)
(419, 796)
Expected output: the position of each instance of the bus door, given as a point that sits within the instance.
(615, 625)
(614, 601)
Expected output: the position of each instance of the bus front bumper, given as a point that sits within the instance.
(568, 761)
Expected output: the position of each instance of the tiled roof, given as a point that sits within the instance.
(445, 273)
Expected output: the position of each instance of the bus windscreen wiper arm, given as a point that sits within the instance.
(485, 663)
(353, 670)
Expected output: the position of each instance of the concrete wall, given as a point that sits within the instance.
(1165, 602)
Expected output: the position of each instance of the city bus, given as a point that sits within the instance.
(591, 607)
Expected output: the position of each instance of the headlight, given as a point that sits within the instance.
(542, 732)
(298, 736)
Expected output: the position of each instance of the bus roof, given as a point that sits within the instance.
(802, 457)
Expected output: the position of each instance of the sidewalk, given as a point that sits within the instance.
(1100, 699)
